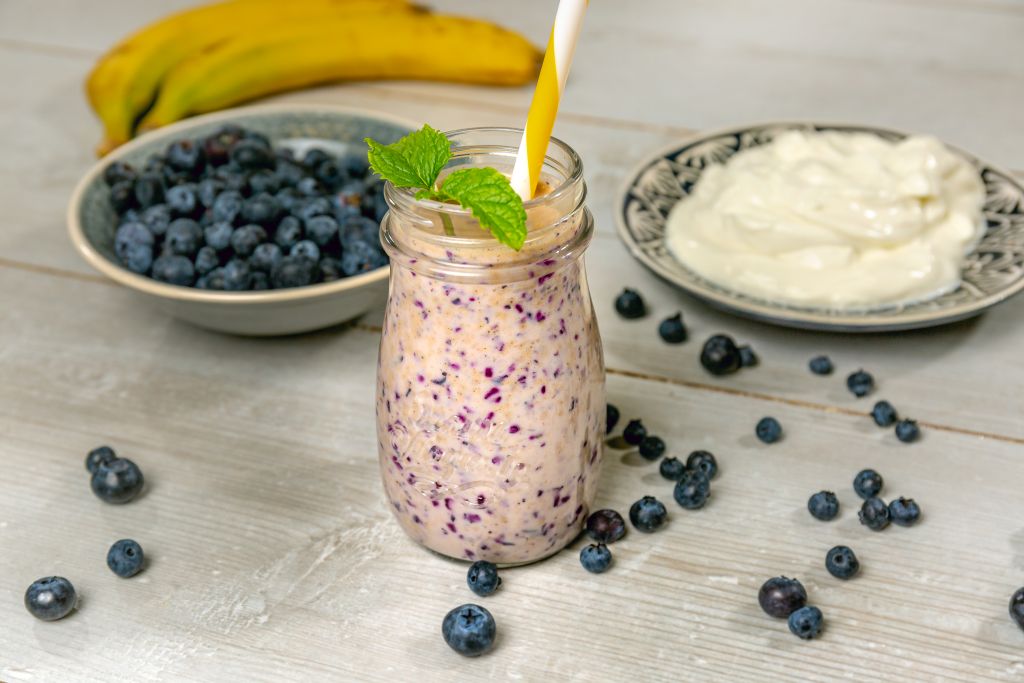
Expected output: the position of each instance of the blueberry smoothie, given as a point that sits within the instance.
(490, 390)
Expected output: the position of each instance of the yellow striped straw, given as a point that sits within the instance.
(544, 108)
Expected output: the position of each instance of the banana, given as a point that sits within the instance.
(125, 80)
(395, 45)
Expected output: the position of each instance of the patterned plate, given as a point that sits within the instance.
(992, 273)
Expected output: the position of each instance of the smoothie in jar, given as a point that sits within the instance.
(490, 384)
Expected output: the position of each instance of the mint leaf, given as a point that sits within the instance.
(414, 161)
(489, 196)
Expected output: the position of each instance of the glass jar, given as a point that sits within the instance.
(490, 379)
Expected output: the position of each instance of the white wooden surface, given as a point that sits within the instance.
(273, 556)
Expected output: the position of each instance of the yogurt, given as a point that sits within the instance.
(832, 219)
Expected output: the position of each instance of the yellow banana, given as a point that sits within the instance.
(374, 46)
(125, 80)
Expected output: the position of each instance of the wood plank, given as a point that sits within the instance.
(275, 558)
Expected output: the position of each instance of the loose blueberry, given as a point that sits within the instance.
(904, 511)
(261, 209)
(634, 432)
(768, 430)
(907, 430)
(263, 181)
(99, 456)
(251, 154)
(720, 356)
(611, 418)
(648, 514)
(821, 365)
(227, 206)
(122, 196)
(118, 172)
(1017, 607)
(469, 630)
(245, 239)
(652, 448)
(184, 236)
(362, 257)
(157, 218)
(823, 505)
(182, 201)
(883, 414)
(748, 358)
(806, 622)
(265, 257)
(874, 514)
(237, 276)
(321, 229)
(483, 578)
(293, 271)
(206, 260)
(315, 156)
(596, 558)
(130, 235)
(606, 526)
(672, 330)
(841, 562)
(218, 235)
(672, 469)
(312, 206)
(51, 598)
(867, 484)
(138, 258)
(306, 249)
(780, 596)
(692, 490)
(329, 269)
(125, 558)
(208, 189)
(186, 156)
(703, 461)
(259, 281)
(629, 304)
(330, 174)
(117, 481)
(175, 270)
(289, 232)
(860, 383)
(310, 187)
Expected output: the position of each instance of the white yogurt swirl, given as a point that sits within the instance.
(841, 220)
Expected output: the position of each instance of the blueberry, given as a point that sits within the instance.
(306, 249)
(1017, 607)
(611, 418)
(720, 356)
(330, 174)
(469, 630)
(308, 207)
(634, 432)
(99, 456)
(672, 469)
(51, 598)
(288, 198)
(904, 511)
(227, 206)
(125, 558)
(118, 172)
(214, 279)
(157, 218)
(821, 365)
(293, 271)
(823, 505)
(672, 330)
(329, 270)
(289, 232)
(629, 304)
(251, 154)
(186, 156)
(806, 622)
(867, 484)
(265, 257)
(148, 190)
(237, 276)
(362, 257)
(841, 562)
(183, 237)
(606, 526)
(259, 281)
(310, 187)
(130, 235)
(483, 578)
(258, 138)
(860, 383)
(907, 430)
(206, 260)
(780, 596)
(183, 201)
(315, 156)
(703, 461)
(234, 179)
(261, 209)
(207, 190)
(218, 235)
(652, 447)
(245, 239)
(748, 358)
(289, 173)
(357, 228)
(596, 558)
(138, 258)
(883, 414)
(216, 146)
(874, 514)
(648, 514)
(768, 430)
(355, 165)
(175, 270)
(263, 182)
(117, 481)
(692, 490)
(321, 229)
(122, 196)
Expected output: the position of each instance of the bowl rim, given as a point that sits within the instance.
(148, 285)
(775, 312)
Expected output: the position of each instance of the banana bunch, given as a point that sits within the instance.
(218, 55)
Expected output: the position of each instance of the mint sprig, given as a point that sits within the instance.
(417, 160)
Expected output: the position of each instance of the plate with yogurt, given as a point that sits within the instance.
(827, 226)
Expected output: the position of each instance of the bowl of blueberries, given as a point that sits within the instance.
(255, 221)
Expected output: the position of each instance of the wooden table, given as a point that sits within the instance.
(273, 555)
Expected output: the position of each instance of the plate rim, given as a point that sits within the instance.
(775, 315)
